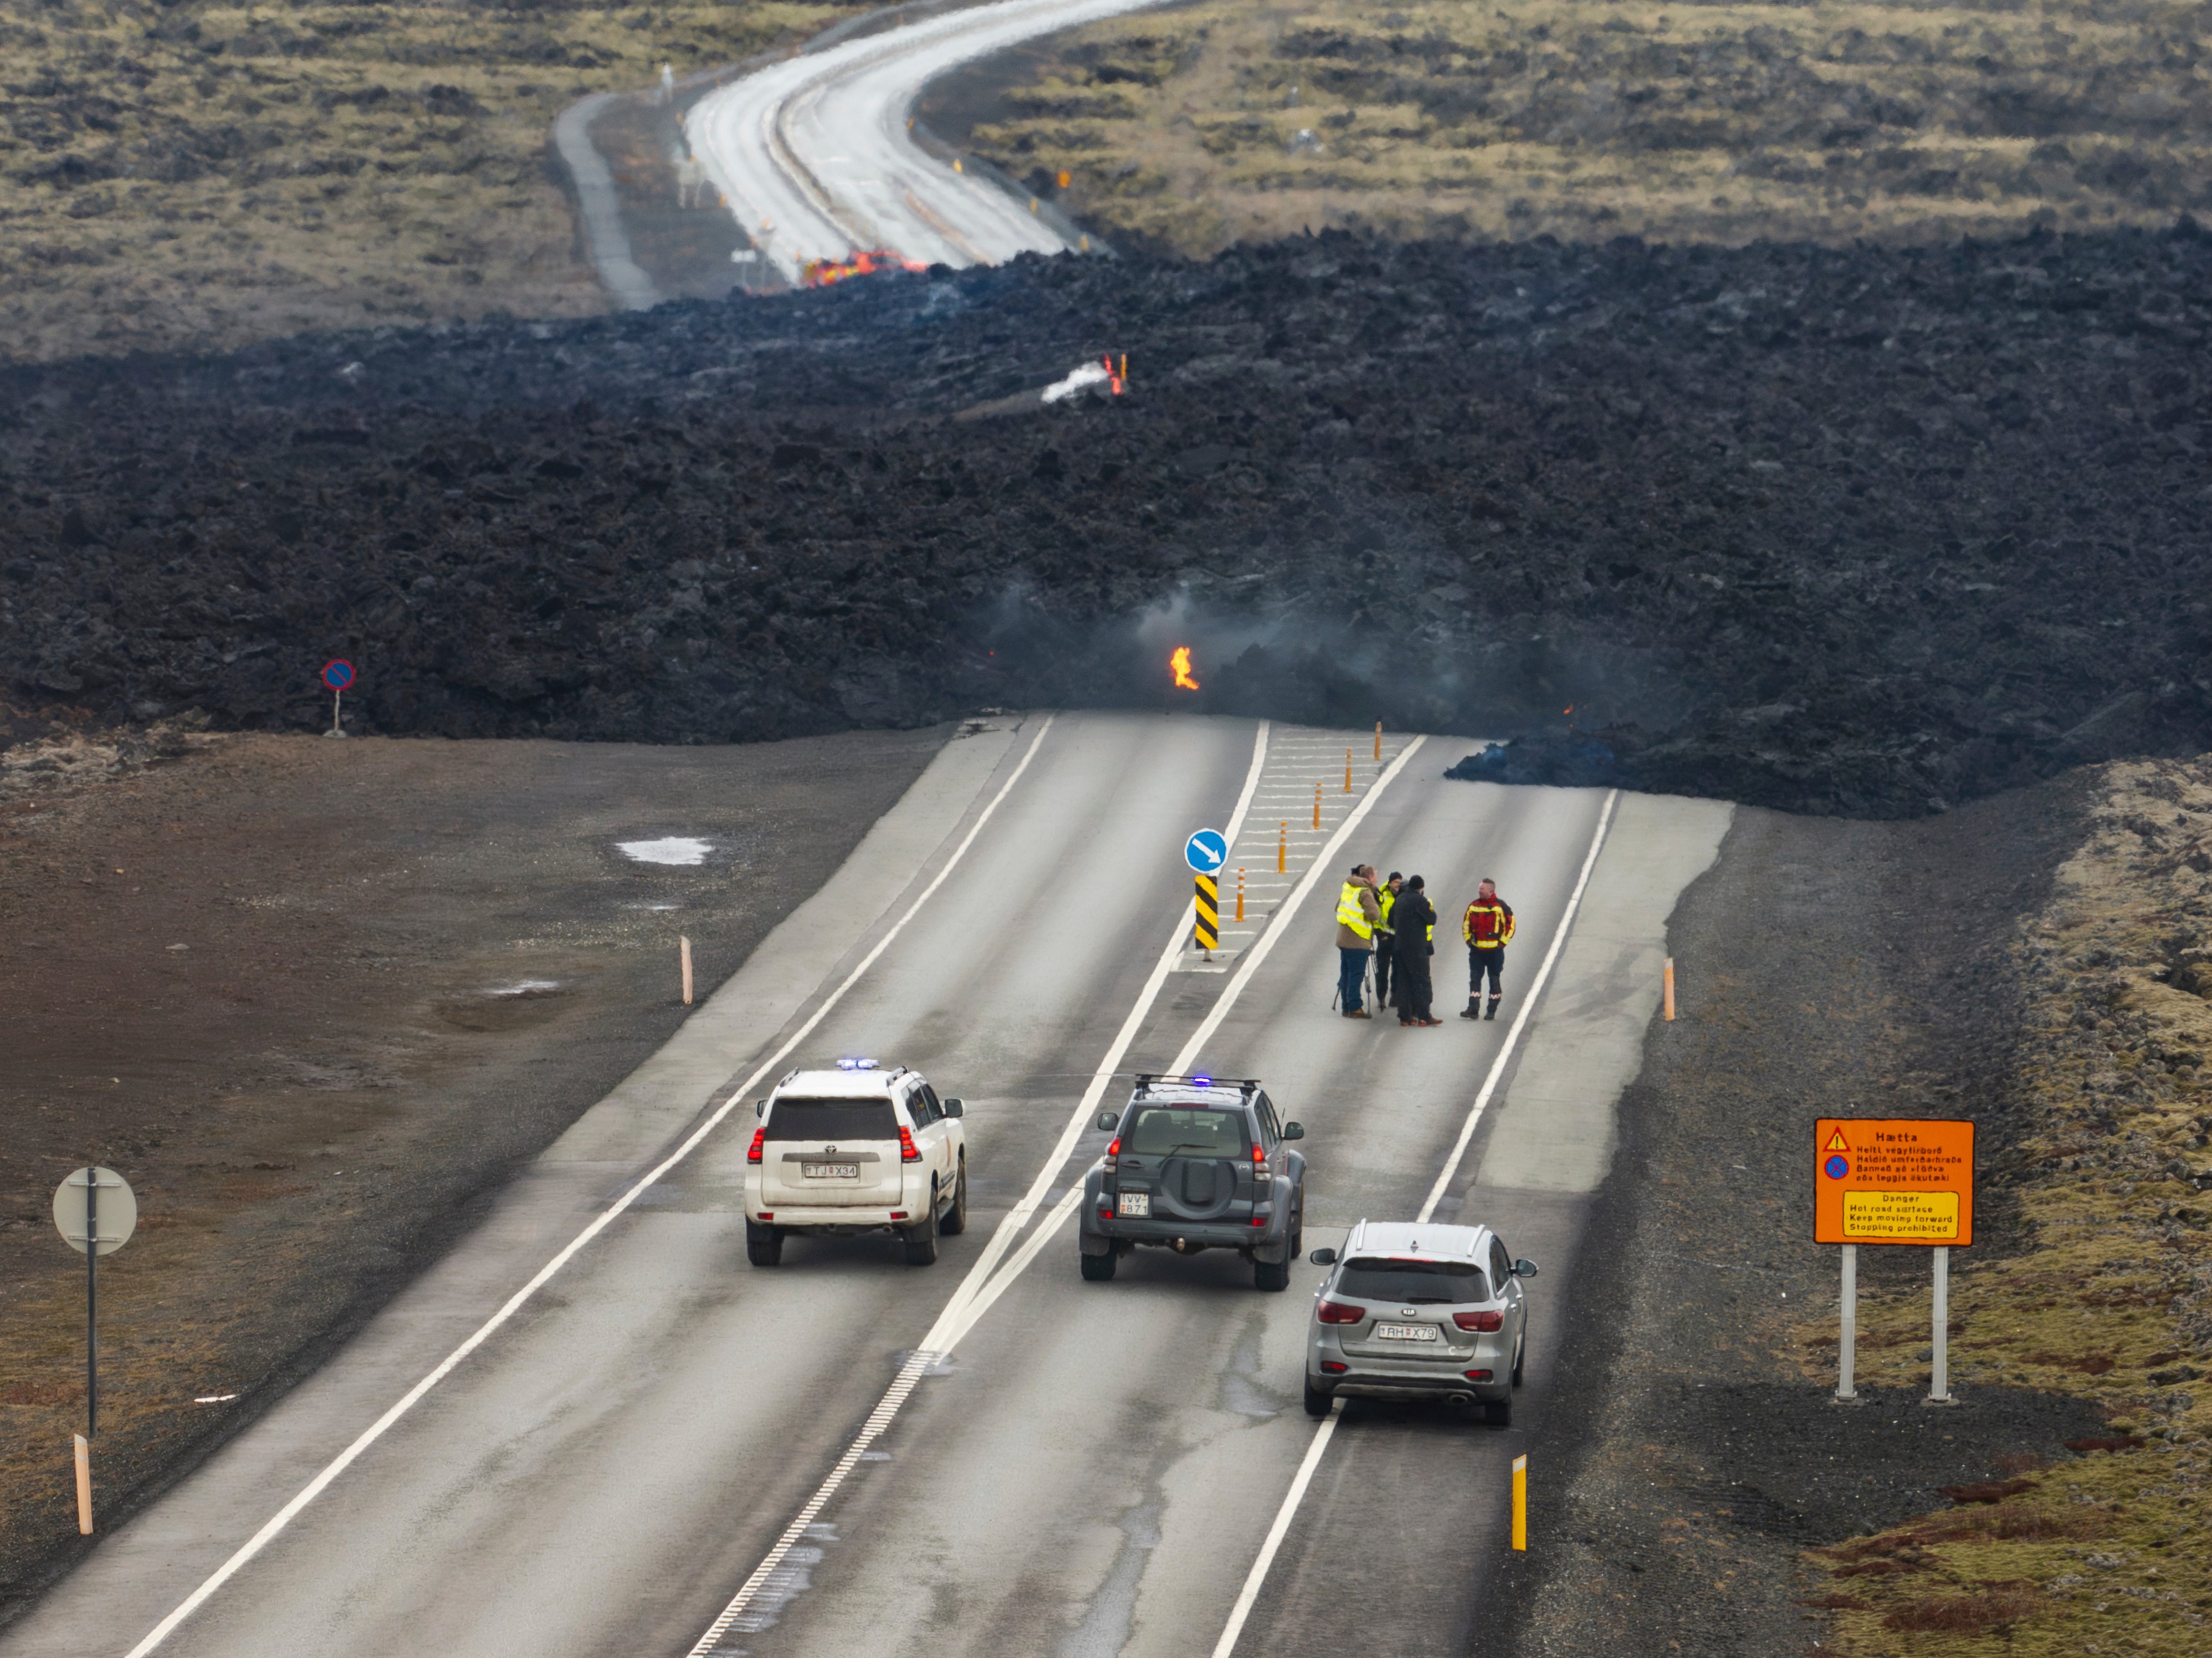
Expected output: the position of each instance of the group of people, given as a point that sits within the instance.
(1393, 921)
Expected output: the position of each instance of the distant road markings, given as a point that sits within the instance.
(376, 1429)
(1253, 1579)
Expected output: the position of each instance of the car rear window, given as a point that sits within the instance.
(1184, 1131)
(832, 1120)
(1436, 1282)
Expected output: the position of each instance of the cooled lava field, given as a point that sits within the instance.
(1856, 531)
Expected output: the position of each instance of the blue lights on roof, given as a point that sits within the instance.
(1202, 1082)
(856, 1065)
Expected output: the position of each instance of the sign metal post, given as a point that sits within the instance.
(1894, 1181)
(97, 1229)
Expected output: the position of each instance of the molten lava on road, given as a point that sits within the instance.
(1179, 664)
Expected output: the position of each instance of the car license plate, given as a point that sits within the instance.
(1405, 1333)
(1138, 1204)
(831, 1170)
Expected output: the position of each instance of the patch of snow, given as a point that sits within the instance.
(670, 849)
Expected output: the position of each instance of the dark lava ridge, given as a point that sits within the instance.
(1860, 531)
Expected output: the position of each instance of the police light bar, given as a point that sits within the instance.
(856, 1065)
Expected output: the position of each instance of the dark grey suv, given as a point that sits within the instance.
(1197, 1163)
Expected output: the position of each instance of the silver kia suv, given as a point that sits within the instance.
(1419, 1311)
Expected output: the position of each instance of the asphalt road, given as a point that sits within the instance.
(658, 1443)
(814, 158)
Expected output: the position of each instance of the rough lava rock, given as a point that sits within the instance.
(1857, 531)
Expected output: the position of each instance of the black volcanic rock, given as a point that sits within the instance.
(1862, 531)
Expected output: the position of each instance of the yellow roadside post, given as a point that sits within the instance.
(1240, 892)
(1348, 771)
(1378, 739)
(1521, 1503)
(1283, 849)
(1316, 805)
(83, 1486)
(1670, 981)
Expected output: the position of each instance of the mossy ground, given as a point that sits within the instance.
(200, 174)
(1230, 121)
(2111, 1299)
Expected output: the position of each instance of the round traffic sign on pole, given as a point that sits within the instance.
(117, 1210)
(337, 673)
(1207, 851)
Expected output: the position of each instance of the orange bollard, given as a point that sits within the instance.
(1240, 892)
(1348, 771)
(1378, 739)
(83, 1486)
(1317, 805)
(1283, 849)
(1669, 982)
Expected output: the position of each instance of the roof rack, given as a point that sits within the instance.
(1196, 1080)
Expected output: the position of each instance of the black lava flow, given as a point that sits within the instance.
(1856, 531)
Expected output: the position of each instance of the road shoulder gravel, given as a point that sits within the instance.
(1686, 1461)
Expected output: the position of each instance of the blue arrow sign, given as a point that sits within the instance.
(1206, 851)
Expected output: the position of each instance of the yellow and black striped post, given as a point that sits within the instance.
(1208, 933)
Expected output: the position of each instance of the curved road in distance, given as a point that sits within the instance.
(816, 162)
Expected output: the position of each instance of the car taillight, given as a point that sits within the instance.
(1333, 1367)
(1483, 1321)
(760, 1139)
(908, 1150)
(1335, 1312)
(1114, 1152)
(1258, 1157)
(1476, 1375)
(1259, 1220)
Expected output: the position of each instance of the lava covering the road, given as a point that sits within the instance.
(1859, 531)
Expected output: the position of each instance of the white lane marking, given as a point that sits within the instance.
(977, 1290)
(1250, 1594)
(376, 1429)
(1528, 1009)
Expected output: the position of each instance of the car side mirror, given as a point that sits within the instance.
(760, 1108)
(1323, 1257)
(1524, 1269)
(1109, 1121)
(1294, 1131)
(953, 1107)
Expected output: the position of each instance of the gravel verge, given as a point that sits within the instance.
(1693, 1455)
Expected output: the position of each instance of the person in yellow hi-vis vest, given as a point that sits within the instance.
(1386, 942)
(1358, 916)
(1487, 926)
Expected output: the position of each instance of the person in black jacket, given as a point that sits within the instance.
(1413, 919)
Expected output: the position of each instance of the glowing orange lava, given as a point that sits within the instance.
(1179, 663)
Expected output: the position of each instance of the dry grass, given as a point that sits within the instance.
(2111, 1302)
(193, 175)
(1228, 121)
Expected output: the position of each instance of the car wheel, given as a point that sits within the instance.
(1271, 1275)
(1520, 1355)
(1498, 1414)
(1317, 1400)
(1098, 1269)
(764, 1244)
(955, 1221)
(921, 1237)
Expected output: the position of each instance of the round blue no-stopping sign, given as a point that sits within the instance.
(1207, 851)
(337, 673)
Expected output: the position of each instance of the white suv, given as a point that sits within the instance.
(855, 1150)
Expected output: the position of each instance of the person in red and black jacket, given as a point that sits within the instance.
(1487, 926)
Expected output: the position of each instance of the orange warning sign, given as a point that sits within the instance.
(1892, 1180)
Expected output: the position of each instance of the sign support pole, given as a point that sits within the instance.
(92, 1303)
(1938, 1381)
(1847, 1344)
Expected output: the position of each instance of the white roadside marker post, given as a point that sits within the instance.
(1939, 1379)
(1847, 1344)
(684, 947)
